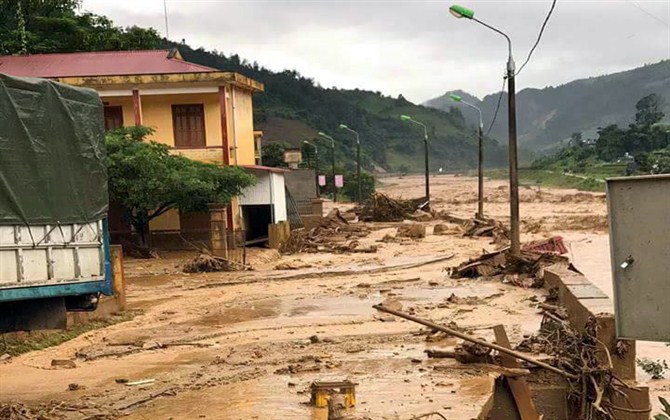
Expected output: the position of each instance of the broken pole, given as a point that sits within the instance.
(471, 339)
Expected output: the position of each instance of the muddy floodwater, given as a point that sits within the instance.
(247, 345)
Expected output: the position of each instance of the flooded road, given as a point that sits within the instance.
(245, 345)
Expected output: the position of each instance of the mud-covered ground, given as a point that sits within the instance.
(246, 345)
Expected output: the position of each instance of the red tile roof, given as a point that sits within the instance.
(103, 63)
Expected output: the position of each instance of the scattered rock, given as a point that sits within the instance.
(5, 357)
(393, 304)
(63, 363)
(422, 216)
(412, 230)
(151, 345)
(74, 387)
(441, 229)
(314, 339)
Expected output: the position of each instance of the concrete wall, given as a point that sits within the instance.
(301, 184)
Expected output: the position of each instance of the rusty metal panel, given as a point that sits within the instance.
(639, 225)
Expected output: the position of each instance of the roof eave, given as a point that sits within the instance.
(134, 80)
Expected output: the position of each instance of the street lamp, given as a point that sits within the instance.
(316, 166)
(358, 158)
(480, 162)
(332, 145)
(515, 248)
(425, 143)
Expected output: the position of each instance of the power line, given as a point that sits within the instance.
(539, 36)
(495, 114)
(651, 15)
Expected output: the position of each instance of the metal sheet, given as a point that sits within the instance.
(639, 224)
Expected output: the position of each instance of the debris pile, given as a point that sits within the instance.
(381, 208)
(593, 384)
(334, 234)
(525, 269)
(205, 263)
(487, 227)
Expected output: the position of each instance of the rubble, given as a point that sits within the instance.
(205, 263)
(522, 270)
(441, 229)
(487, 227)
(411, 230)
(381, 208)
(334, 234)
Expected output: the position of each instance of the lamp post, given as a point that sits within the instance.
(358, 159)
(425, 143)
(480, 160)
(515, 247)
(332, 145)
(316, 166)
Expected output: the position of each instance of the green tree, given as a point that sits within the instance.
(649, 110)
(273, 154)
(146, 180)
(45, 26)
(350, 188)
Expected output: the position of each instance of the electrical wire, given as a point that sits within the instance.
(495, 114)
(539, 36)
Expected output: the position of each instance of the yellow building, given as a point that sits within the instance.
(201, 112)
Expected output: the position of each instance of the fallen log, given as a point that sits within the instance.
(471, 339)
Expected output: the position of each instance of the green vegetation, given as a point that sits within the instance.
(655, 369)
(47, 26)
(146, 180)
(15, 345)
(291, 103)
(546, 178)
(549, 115)
(644, 147)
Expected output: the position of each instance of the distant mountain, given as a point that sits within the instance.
(550, 115)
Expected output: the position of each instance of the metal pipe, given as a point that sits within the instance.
(466, 337)
(480, 175)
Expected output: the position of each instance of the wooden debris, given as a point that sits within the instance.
(381, 208)
(334, 234)
(523, 270)
(518, 386)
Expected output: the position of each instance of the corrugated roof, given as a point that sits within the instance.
(266, 168)
(102, 63)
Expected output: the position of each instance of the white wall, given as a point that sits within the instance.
(269, 189)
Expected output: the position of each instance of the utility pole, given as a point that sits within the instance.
(316, 167)
(332, 146)
(425, 144)
(515, 246)
(480, 160)
(358, 161)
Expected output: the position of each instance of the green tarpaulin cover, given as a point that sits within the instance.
(52, 153)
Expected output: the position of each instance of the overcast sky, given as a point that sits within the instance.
(414, 47)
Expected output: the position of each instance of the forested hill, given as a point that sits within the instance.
(292, 109)
(550, 115)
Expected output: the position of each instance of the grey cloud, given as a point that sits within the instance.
(416, 48)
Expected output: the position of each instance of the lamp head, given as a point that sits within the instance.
(455, 98)
(344, 127)
(461, 12)
(406, 118)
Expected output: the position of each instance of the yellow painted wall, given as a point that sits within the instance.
(244, 127)
(157, 113)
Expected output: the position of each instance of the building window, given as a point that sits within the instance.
(113, 117)
(189, 125)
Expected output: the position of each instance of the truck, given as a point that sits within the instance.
(54, 242)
